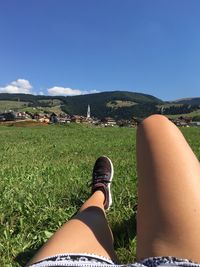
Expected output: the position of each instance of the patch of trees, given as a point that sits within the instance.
(98, 103)
(182, 109)
(196, 118)
(140, 111)
(102, 111)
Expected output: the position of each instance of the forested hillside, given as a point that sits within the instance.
(102, 104)
(116, 104)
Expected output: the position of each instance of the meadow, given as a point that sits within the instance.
(44, 176)
(7, 105)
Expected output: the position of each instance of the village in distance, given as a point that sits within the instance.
(11, 116)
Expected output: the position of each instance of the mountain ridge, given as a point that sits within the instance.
(116, 104)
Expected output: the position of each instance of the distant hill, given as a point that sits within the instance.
(116, 104)
(107, 104)
(188, 101)
(182, 107)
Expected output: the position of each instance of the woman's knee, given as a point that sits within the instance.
(154, 121)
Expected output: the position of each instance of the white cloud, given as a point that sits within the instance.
(16, 87)
(57, 90)
(24, 87)
(89, 92)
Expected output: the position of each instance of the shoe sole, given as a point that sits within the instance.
(109, 190)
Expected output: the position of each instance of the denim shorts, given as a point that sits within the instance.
(91, 260)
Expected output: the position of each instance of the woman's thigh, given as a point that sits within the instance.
(168, 216)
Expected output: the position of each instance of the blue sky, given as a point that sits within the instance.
(72, 47)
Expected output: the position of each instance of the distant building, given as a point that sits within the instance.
(67, 119)
(89, 119)
(181, 121)
(108, 121)
(88, 112)
(53, 118)
(76, 118)
(2, 117)
(134, 122)
(21, 115)
(123, 123)
(7, 116)
(195, 123)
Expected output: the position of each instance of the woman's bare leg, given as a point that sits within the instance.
(168, 219)
(87, 232)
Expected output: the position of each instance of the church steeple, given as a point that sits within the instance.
(88, 112)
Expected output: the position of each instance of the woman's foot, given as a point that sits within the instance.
(101, 178)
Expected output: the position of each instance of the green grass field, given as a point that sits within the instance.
(23, 106)
(43, 181)
(16, 105)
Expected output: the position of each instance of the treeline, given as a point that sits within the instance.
(139, 111)
(146, 105)
(181, 109)
(101, 111)
(143, 104)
